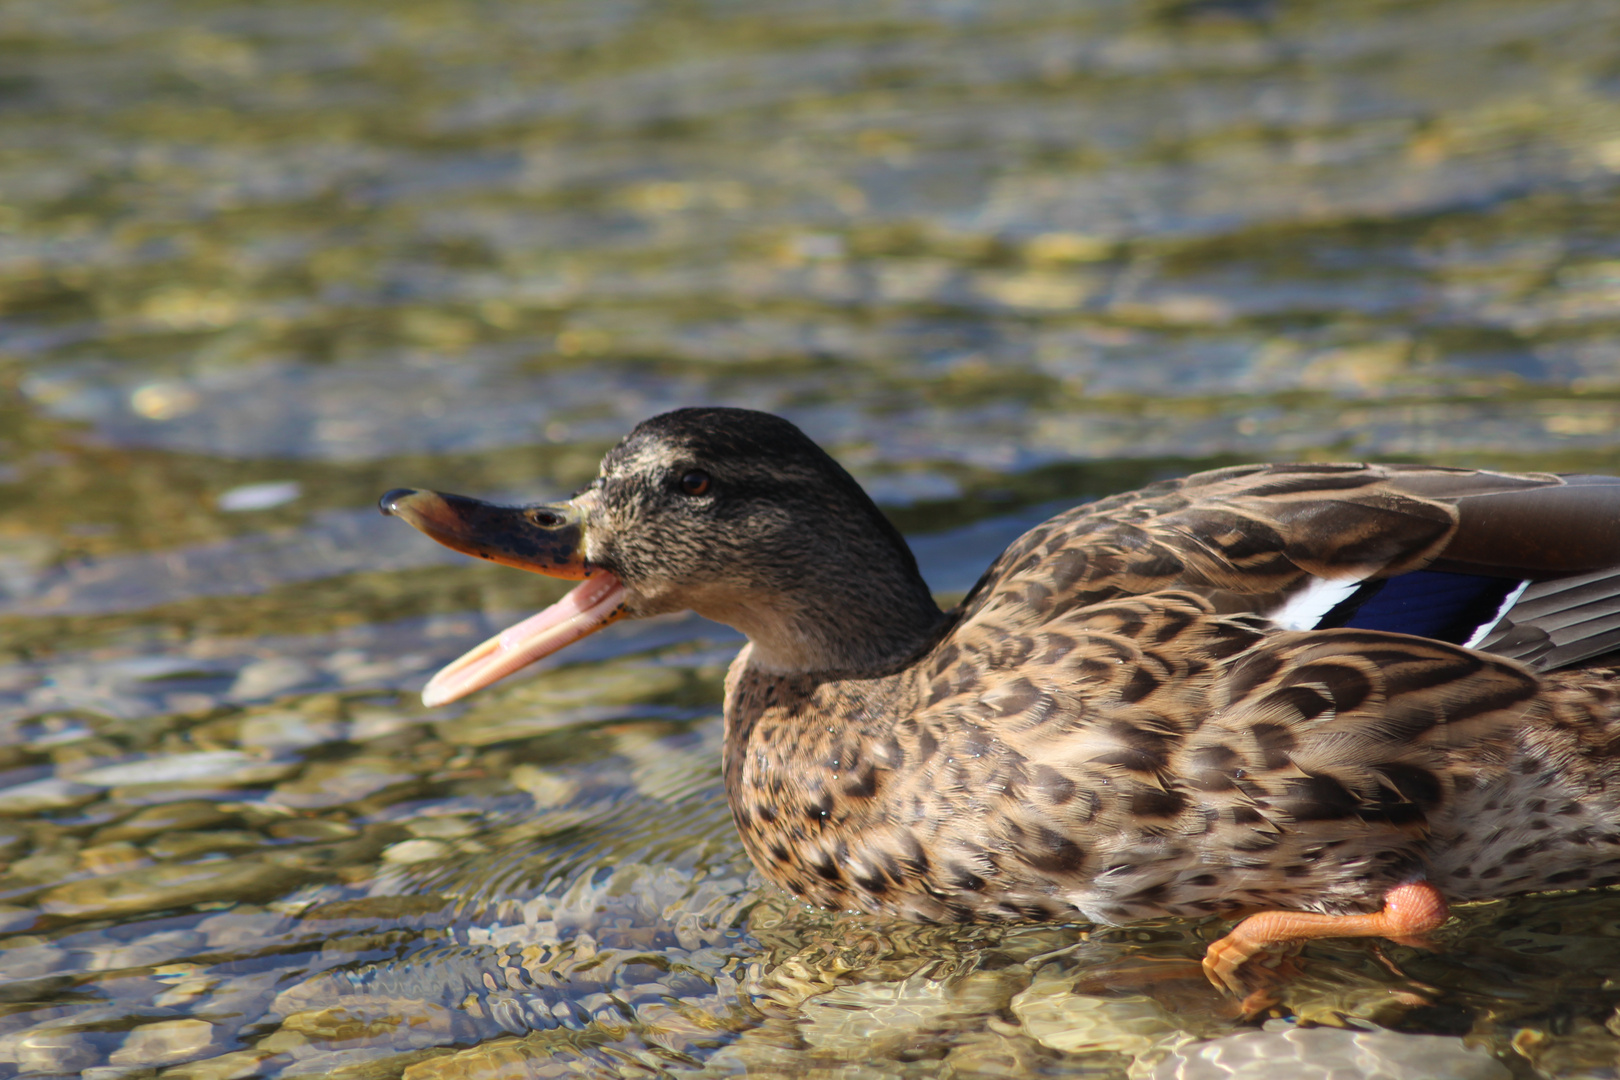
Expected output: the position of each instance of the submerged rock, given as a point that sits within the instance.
(415, 851)
(396, 1022)
(1294, 1053)
(1134, 1025)
(335, 783)
(237, 1065)
(266, 678)
(15, 919)
(287, 729)
(40, 796)
(165, 886)
(54, 1051)
(564, 698)
(166, 1042)
(166, 817)
(190, 845)
(230, 768)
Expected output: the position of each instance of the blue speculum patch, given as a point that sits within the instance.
(1429, 603)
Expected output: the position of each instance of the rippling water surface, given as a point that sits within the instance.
(260, 262)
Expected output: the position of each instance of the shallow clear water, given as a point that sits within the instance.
(259, 263)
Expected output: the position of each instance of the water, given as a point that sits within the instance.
(260, 263)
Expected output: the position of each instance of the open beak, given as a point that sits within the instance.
(547, 540)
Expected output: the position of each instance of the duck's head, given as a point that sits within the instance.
(730, 513)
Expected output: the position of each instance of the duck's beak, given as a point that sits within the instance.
(546, 539)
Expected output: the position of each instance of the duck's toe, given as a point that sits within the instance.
(1410, 911)
(1224, 959)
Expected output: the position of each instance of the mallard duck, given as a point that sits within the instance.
(1328, 699)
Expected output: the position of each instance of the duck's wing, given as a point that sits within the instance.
(1200, 763)
(1525, 565)
(1355, 725)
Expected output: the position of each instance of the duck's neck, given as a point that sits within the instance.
(849, 624)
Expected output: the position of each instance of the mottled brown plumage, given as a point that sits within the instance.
(1115, 724)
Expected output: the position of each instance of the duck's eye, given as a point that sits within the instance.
(696, 482)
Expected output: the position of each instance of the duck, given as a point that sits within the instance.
(1322, 700)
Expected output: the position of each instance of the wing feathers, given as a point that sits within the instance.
(1568, 528)
(1561, 622)
(1250, 539)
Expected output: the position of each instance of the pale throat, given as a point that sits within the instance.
(792, 638)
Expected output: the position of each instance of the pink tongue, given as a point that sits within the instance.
(588, 607)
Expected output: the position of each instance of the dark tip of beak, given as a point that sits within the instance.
(387, 503)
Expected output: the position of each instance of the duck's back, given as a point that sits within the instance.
(1423, 550)
(1200, 697)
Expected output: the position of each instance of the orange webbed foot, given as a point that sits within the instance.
(1409, 912)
